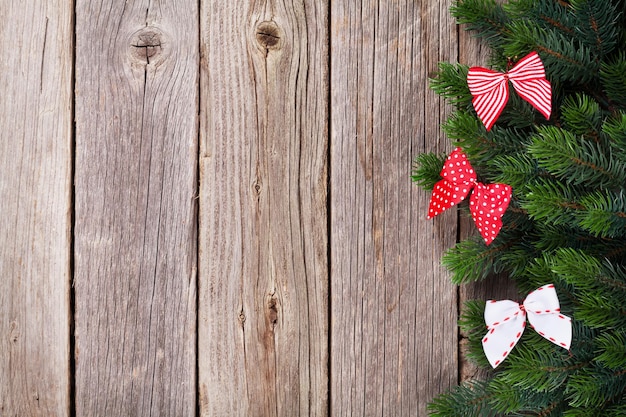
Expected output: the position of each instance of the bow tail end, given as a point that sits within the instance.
(500, 340)
(556, 328)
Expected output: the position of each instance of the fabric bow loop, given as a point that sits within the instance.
(490, 89)
(487, 203)
(506, 321)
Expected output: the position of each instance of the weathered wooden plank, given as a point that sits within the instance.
(135, 225)
(35, 196)
(393, 309)
(263, 324)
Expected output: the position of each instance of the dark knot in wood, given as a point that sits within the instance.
(268, 35)
(272, 310)
(147, 43)
(14, 332)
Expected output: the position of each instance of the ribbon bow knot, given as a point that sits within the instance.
(490, 89)
(506, 321)
(487, 203)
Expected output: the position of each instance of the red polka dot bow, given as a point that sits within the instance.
(506, 321)
(487, 203)
(490, 89)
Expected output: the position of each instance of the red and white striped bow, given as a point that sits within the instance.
(487, 203)
(490, 89)
(506, 321)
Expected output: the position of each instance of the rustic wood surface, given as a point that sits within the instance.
(263, 317)
(320, 288)
(393, 309)
(135, 207)
(35, 197)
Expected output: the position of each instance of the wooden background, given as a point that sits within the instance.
(206, 208)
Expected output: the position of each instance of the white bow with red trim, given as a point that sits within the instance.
(506, 321)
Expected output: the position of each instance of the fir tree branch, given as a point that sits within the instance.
(558, 25)
(566, 223)
(546, 412)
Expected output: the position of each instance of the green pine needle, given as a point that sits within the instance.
(427, 170)
(613, 76)
(450, 82)
(575, 159)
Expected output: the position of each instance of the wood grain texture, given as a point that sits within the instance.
(35, 196)
(393, 308)
(263, 313)
(135, 198)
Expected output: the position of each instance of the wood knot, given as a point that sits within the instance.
(268, 35)
(147, 44)
(14, 332)
(256, 188)
(271, 309)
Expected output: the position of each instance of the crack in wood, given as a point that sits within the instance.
(43, 55)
